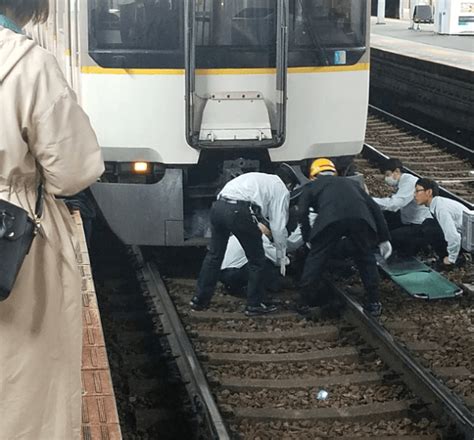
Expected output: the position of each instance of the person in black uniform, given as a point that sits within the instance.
(343, 210)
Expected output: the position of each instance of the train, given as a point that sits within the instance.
(186, 94)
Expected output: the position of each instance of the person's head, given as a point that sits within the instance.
(321, 166)
(425, 190)
(392, 169)
(24, 11)
(288, 176)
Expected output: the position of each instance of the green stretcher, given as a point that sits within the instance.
(418, 279)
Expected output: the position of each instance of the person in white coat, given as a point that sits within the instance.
(404, 216)
(444, 234)
(44, 137)
(243, 205)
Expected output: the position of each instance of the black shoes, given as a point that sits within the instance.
(261, 309)
(197, 305)
(374, 309)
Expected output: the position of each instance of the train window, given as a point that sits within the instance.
(136, 33)
(228, 33)
(237, 33)
(320, 29)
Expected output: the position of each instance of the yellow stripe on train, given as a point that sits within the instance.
(256, 71)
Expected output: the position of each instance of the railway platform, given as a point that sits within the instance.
(99, 411)
(424, 44)
(424, 77)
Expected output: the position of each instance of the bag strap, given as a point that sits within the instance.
(39, 206)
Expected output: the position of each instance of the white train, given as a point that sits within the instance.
(185, 93)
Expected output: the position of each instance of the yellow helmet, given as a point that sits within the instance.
(320, 165)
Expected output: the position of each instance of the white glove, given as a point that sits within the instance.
(385, 249)
(283, 268)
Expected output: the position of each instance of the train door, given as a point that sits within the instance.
(236, 60)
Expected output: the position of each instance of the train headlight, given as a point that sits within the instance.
(141, 167)
(133, 172)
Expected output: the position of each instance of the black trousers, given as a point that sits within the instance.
(393, 219)
(227, 218)
(363, 240)
(406, 239)
(236, 279)
(433, 235)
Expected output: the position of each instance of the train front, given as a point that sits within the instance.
(184, 95)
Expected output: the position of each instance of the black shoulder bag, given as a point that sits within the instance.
(17, 231)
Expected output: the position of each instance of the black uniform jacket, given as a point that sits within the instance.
(335, 199)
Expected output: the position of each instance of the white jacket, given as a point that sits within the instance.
(270, 193)
(449, 215)
(404, 200)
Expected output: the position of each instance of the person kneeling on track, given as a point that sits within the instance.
(241, 207)
(404, 216)
(234, 274)
(343, 209)
(443, 231)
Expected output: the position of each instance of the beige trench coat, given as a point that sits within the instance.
(43, 132)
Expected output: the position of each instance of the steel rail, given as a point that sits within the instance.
(371, 153)
(444, 403)
(451, 146)
(185, 356)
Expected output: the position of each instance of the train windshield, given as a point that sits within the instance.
(228, 33)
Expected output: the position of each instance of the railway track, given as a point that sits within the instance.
(423, 153)
(408, 376)
(151, 399)
(260, 377)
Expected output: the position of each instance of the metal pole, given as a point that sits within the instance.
(413, 4)
(381, 12)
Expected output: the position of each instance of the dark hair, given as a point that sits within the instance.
(27, 10)
(428, 184)
(287, 174)
(392, 165)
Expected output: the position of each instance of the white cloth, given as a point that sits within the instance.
(295, 240)
(449, 215)
(404, 200)
(270, 193)
(235, 255)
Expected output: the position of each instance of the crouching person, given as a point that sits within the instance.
(343, 209)
(239, 205)
(443, 231)
(404, 216)
(234, 273)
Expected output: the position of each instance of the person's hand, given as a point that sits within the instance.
(385, 249)
(446, 262)
(282, 268)
(264, 230)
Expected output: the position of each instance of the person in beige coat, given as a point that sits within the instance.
(44, 135)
